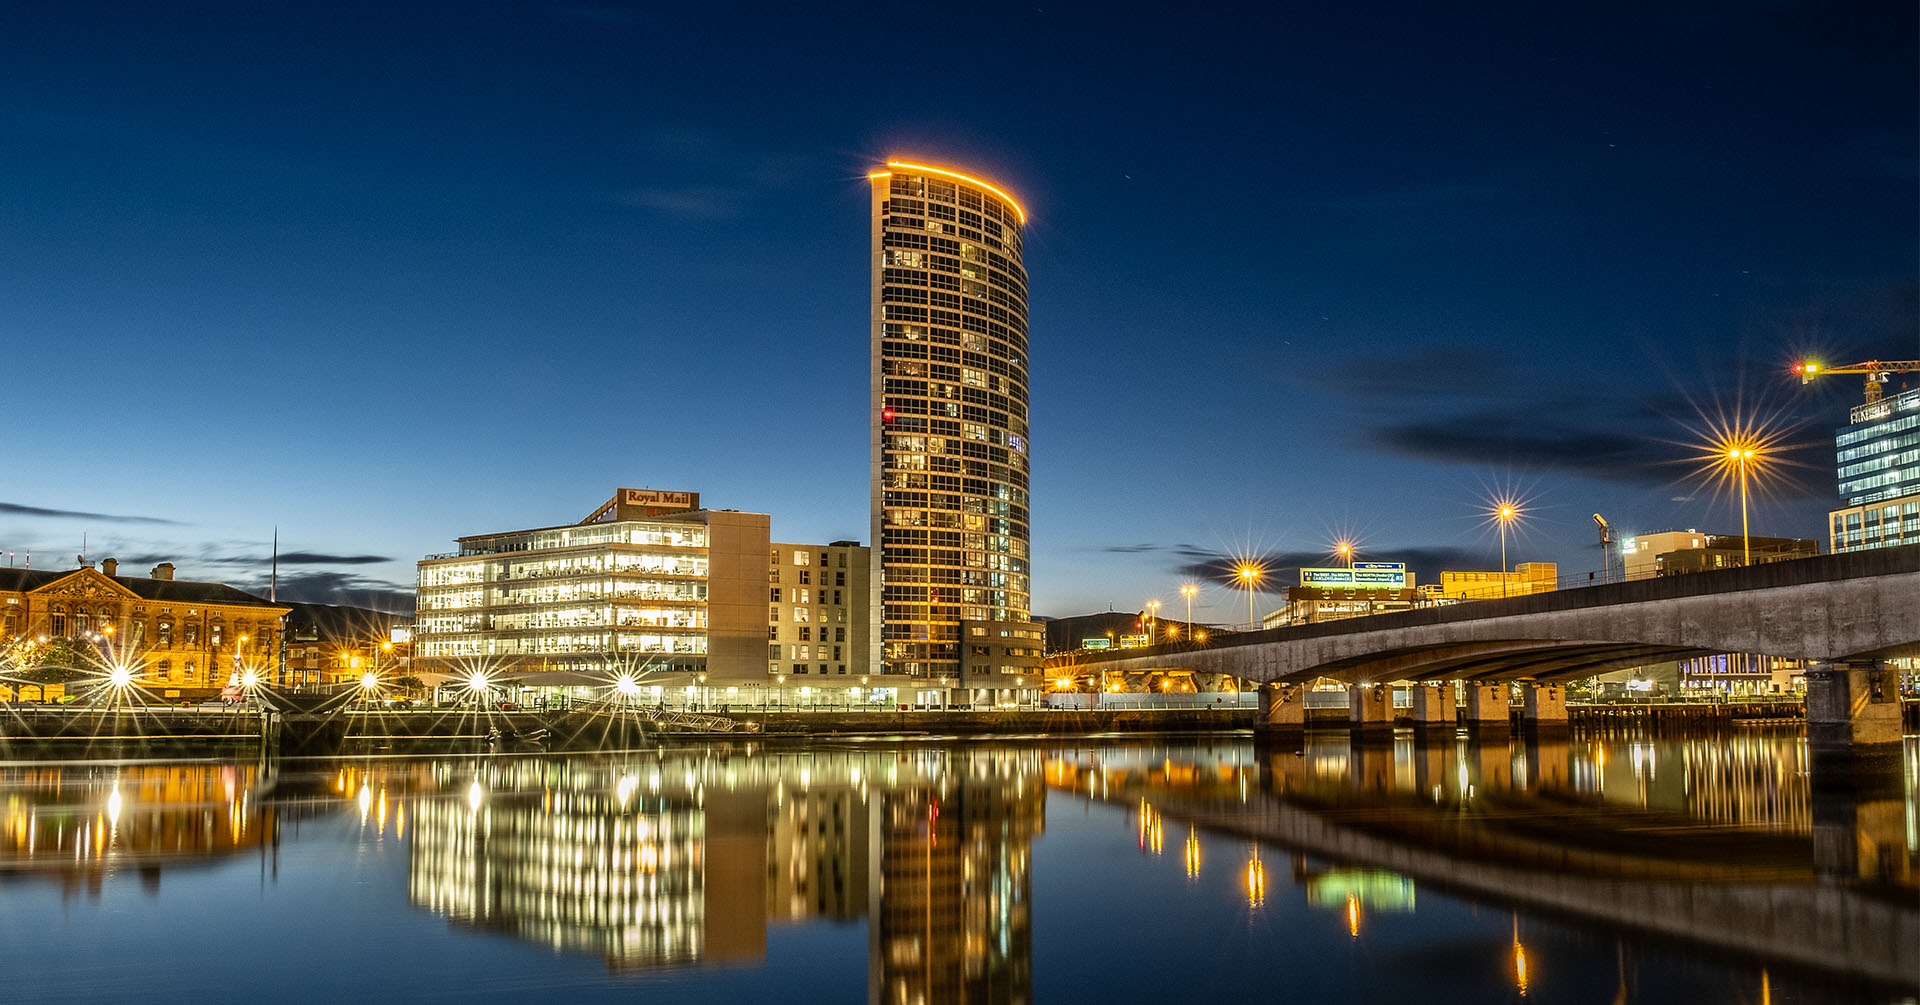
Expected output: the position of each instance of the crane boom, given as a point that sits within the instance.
(1875, 370)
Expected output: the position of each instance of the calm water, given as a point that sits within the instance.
(1106, 870)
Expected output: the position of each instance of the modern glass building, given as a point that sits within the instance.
(1878, 460)
(949, 444)
(648, 580)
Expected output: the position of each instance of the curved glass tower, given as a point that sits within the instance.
(949, 441)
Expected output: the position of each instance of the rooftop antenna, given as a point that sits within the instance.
(273, 580)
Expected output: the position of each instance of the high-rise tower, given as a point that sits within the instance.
(949, 440)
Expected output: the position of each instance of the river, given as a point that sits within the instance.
(1110, 869)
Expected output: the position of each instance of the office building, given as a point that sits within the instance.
(1677, 552)
(1877, 459)
(1341, 592)
(818, 623)
(647, 581)
(949, 444)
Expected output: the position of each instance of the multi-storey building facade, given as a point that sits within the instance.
(183, 639)
(1676, 552)
(817, 615)
(649, 580)
(1877, 457)
(652, 582)
(949, 445)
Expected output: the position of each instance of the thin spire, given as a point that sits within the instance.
(273, 582)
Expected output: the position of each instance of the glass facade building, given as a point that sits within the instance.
(648, 581)
(1877, 456)
(1878, 451)
(949, 444)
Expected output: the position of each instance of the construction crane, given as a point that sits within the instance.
(1877, 372)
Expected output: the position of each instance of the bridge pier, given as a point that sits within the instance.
(1434, 710)
(1853, 710)
(1283, 714)
(1370, 767)
(1487, 708)
(1549, 762)
(1543, 710)
(1859, 823)
(1370, 713)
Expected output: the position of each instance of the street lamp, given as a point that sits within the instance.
(1739, 456)
(1505, 512)
(1346, 552)
(1153, 618)
(1188, 591)
(1248, 576)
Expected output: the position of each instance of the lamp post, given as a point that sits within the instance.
(1740, 454)
(1188, 591)
(1248, 576)
(1346, 552)
(1505, 514)
(1153, 618)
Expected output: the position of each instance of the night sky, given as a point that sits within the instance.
(384, 277)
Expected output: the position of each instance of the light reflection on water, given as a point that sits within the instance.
(974, 872)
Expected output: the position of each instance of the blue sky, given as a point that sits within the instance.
(382, 278)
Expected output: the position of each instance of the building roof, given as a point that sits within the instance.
(165, 591)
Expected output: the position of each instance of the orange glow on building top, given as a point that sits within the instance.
(1009, 200)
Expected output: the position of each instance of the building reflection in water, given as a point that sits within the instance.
(74, 824)
(686, 858)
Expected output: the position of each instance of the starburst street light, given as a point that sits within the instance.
(1503, 512)
(1741, 453)
(1345, 550)
(1188, 590)
(1740, 449)
(1249, 576)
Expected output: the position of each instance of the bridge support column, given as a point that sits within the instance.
(1487, 707)
(1283, 714)
(1853, 709)
(1859, 822)
(1434, 710)
(1543, 710)
(1370, 712)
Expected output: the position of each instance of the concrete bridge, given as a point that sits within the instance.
(1845, 614)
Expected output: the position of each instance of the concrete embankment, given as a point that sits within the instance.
(1004, 721)
(579, 728)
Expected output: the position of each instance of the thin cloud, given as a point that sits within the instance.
(337, 588)
(17, 509)
(694, 175)
(304, 558)
(696, 202)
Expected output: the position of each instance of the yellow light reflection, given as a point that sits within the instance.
(1520, 979)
